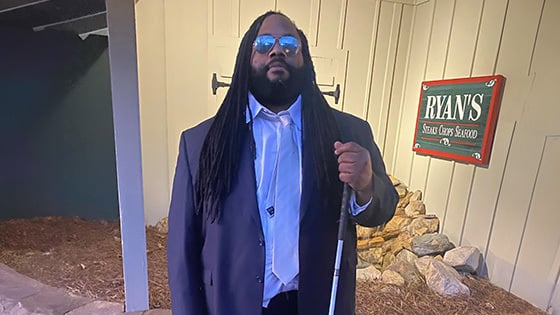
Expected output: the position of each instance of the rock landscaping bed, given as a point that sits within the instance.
(84, 258)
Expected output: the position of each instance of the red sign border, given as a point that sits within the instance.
(491, 121)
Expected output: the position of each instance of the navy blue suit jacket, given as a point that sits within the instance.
(218, 268)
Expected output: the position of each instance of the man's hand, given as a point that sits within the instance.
(354, 168)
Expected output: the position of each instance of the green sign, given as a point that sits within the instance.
(457, 118)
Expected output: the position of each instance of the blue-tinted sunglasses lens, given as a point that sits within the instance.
(264, 43)
(289, 44)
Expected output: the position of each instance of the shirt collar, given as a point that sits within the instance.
(256, 108)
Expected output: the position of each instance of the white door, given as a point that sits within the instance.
(229, 20)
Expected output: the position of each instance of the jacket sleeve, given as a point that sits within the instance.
(184, 242)
(385, 197)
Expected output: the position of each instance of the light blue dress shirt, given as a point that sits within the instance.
(266, 126)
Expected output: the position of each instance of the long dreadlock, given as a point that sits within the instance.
(221, 150)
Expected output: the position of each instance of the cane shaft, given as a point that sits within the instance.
(340, 245)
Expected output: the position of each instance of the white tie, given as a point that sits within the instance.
(285, 262)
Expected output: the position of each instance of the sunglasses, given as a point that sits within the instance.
(264, 43)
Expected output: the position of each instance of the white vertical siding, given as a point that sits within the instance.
(398, 90)
(187, 79)
(383, 57)
(484, 180)
(505, 209)
(359, 34)
(380, 51)
(153, 110)
(537, 262)
(403, 158)
(516, 51)
(433, 176)
(554, 305)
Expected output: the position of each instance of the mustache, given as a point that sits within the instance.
(278, 60)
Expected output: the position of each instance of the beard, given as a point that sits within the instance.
(276, 92)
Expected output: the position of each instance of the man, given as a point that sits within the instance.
(257, 190)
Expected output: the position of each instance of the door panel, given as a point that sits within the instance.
(300, 12)
(330, 68)
(230, 20)
(223, 21)
(221, 60)
(250, 10)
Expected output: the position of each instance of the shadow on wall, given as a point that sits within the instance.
(56, 128)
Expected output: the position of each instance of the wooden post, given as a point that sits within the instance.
(126, 120)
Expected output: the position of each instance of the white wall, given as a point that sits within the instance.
(506, 209)
(150, 29)
(172, 59)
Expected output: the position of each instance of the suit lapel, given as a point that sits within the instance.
(246, 184)
(309, 185)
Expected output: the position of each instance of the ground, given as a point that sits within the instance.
(84, 257)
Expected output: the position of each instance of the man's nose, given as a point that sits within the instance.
(277, 50)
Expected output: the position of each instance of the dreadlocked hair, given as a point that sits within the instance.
(320, 131)
(221, 150)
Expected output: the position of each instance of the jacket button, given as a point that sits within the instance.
(261, 243)
(259, 279)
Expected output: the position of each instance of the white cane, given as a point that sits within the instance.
(338, 258)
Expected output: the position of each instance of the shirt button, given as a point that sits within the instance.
(259, 279)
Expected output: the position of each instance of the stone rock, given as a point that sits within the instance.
(416, 196)
(400, 211)
(387, 246)
(392, 277)
(442, 278)
(403, 201)
(162, 225)
(364, 232)
(415, 207)
(362, 244)
(402, 190)
(464, 258)
(423, 225)
(394, 180)
(431, 244)
(373, 256)
(410, 238)
(422, 264)
(394, 227)
(408, 271)
(402, 241)
(406, 256)
(369, 273)
(388, 259)
(362, 263)
(376, 241)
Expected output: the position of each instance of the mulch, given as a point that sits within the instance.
(84, 258)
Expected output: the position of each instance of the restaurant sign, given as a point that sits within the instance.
(457, 118)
